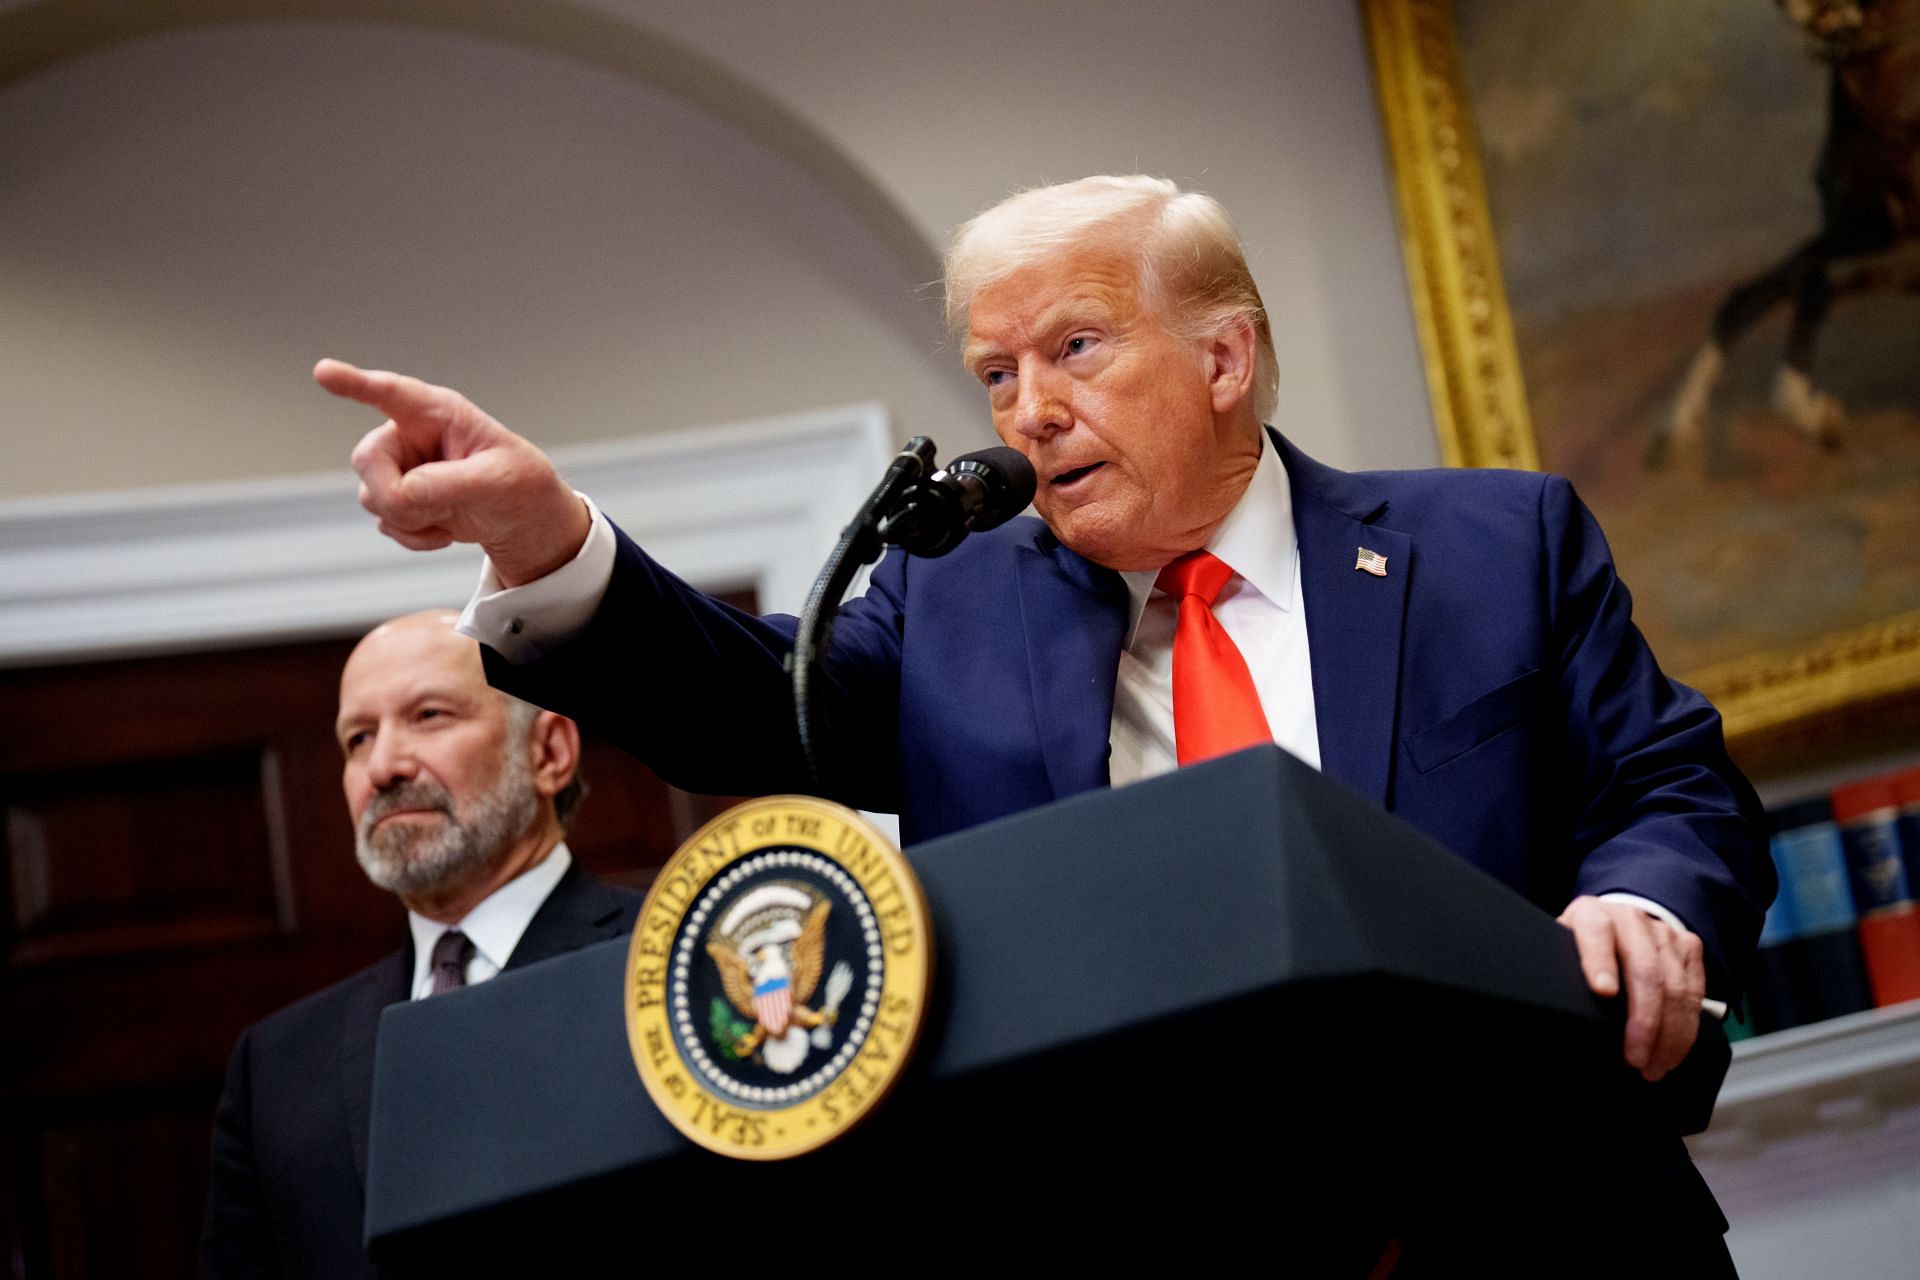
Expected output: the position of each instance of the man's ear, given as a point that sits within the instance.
(554, 743)
(1230, 358)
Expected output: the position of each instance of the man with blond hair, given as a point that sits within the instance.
(460, 798)
(1453, 644)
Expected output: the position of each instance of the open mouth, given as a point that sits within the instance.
(1067, 479)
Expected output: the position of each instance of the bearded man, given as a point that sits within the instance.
(460, 798)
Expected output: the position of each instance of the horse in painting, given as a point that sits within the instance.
(1868, 179)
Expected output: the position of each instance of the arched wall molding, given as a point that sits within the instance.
(34, 36)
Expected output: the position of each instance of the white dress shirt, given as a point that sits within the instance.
(494, 926)
(1260, 608)
(521, 623)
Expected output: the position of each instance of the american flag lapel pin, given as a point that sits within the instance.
(1371, 562)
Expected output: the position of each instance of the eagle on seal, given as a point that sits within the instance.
(769, 978)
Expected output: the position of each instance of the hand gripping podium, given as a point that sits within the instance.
(1234, 1003)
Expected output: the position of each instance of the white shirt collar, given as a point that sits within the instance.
(1256, 540)
(497, 923)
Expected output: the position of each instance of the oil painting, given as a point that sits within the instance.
(1672, 251)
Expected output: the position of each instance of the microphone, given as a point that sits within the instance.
(973, 493)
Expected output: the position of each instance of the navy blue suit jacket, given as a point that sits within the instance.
(1491, 689)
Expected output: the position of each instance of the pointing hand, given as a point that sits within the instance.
(440, 470)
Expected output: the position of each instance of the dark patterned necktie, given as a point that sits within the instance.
(450, 956)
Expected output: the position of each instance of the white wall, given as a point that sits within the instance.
(188, 220)
(1267, 105)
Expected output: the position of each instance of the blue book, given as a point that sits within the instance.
(1809, 966)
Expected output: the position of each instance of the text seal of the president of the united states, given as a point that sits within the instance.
(777, 977)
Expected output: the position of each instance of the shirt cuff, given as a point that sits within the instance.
(1714, 1008)
(524, 622)
(1649, 906)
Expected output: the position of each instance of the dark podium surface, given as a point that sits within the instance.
(1230, 993)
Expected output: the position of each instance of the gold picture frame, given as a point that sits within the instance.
(1769, 700)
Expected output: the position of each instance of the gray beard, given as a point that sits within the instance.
(413, 858)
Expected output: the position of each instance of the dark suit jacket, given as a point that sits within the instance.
(1491, 689)
(288, 1194)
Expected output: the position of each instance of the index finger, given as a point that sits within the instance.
(394, 394)
(1593, 935)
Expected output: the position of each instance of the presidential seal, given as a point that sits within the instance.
(777, 977)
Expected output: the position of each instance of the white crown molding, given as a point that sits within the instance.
(115, 574)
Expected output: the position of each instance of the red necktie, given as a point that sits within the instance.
(1216, 709)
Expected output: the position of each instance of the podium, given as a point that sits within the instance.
(1233, 1001)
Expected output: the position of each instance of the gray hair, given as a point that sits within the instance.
(520, 718)
(1192, 269)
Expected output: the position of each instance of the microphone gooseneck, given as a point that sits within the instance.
(923, 511)
(859, 545)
